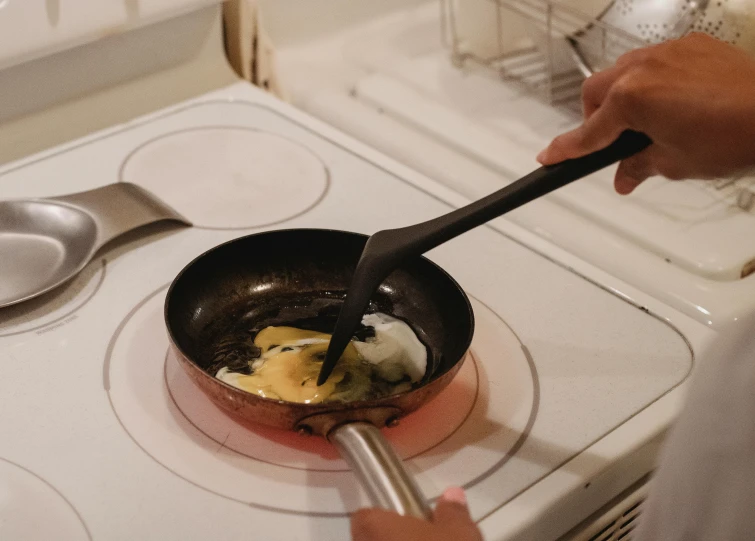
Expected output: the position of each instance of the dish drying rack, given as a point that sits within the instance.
(552, 63)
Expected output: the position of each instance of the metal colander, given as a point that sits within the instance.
(627, 24)
(732, 21)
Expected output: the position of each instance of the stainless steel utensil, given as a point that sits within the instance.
(46, 242)
(386, 250)
(651, 21)
(732, 21)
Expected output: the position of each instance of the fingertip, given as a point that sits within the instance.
(452, 508)
(359, 517)
(366, 524)
(624, 185)
(360, 513)
(633, 171)
(455, 495)
(566, 146)
(621, 188)
(552, 153)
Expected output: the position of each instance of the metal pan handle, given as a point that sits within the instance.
(118, 208)
(379, 469)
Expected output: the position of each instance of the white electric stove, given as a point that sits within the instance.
(575, 374)
(389, 80)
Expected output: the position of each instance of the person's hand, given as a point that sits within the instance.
(451, 522)
(694, 97)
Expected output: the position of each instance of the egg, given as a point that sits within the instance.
(291, 358)
(395, 350)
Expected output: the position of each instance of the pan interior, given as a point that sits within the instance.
(299, 278)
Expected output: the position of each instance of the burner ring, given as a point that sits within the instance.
(299, 481)
(229, 178)
(26, 497)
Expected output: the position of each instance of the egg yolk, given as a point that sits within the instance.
(290, 363)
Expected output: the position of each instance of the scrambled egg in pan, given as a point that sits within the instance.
(290, 361)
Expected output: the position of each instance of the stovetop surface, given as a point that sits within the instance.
(104, 437)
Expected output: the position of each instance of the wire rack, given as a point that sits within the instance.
(564, 45)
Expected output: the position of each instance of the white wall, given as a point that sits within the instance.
(290, 22)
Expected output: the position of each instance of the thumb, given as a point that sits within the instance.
(452, 510)
(596, 133)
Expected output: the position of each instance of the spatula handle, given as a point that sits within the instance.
(422, 237)
(386, 250)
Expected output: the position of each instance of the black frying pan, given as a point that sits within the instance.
(299, 278)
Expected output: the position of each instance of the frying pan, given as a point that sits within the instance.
(299, 277)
